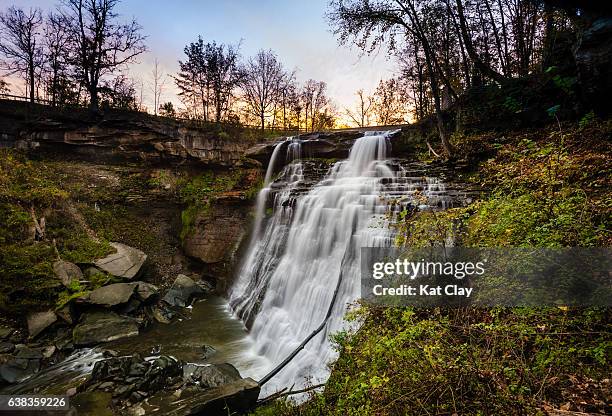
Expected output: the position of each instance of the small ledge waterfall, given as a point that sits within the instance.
(307, 233)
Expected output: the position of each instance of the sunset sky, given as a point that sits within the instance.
(297, 31)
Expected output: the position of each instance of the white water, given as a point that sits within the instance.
(298, 252)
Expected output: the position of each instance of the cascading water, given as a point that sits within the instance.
(310, 239)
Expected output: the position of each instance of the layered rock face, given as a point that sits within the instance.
(116, 137)
(216, 234)
(337, 144)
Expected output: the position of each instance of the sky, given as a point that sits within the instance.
(296, 30)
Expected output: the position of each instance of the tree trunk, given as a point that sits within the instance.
(31, 75)
(93, 98)
(448, 150)
(482, 67)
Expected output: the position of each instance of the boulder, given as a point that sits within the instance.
(25, 352)
(98, 327)
(18, 369)
(182, 291)
(67, 272)
(127, 375)
(126, 262)
(48, 351)
(239, 396)
(209, 376)
(146, 291)
(207, 351)
(161, 314)
(112, 295)
(6, 347)
(39, 321)
(67, 313)
(5, 331)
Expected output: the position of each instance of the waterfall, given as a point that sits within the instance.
(312, 236)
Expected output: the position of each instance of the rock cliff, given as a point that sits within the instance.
(116, 136)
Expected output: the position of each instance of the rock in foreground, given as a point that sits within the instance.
(112, 295)
(126, 262)
(98, 327)
(239, 396)
(39, 321)
(182, 291)
(68, 273)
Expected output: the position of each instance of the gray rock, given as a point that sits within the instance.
(6, 347)
(95, 274)
(67, 272)
(239, 396)
(146, 291)
(209, 376)
(182, 291)
(98, 327)
(112, 295)
(5, 332)
(18, 369)
(48, 351)
(207, 351)
(161, 315)
(25, 352)
(129, 374)
(67, 313)
(126, 262)
(39, 321)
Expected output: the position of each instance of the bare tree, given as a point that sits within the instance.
(208, 78)
(101, 45)
(4, 87)
(57, 42)
(262, 84)
(158, 82)
(389, 102)
(361, 115)
(21, 47)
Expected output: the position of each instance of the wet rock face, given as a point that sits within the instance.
(331, 145)
(319, 145)
(103, 326)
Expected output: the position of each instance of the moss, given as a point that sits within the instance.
(26, 265)
(66, 296)
(188, 218)
(118, 223)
